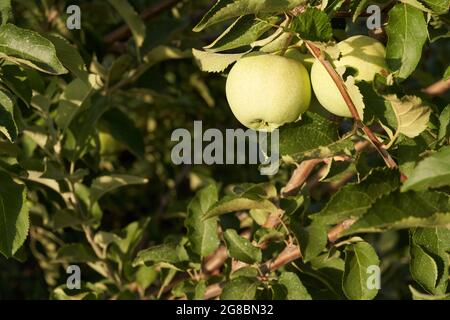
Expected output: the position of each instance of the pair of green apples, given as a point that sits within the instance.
(266, 91)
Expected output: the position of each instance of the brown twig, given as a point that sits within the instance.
(216, 260)
(337, 230)
(124, 32)
(315, 51)
(289, 254)
(299, 176)
(438, 89)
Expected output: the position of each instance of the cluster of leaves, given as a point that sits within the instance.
(78, 123)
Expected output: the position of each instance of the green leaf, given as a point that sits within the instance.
(131, 235)
(16, 80)
(444, 121)
(84, 123)
(76, 252)
(203, 234)
(438, 6)
(28, 48)
(354, 199)
(429, 258)
(355, 282)
(5, 11)
(357, 7)
(14, 216)
(405, 210)
(409, 152)
(7, 124)
(241, 248)
(70, 57)
(70, 102)
(133, 20)
(417, 295)
(242, 288)
(446, 75)
(411, 114)
(169, 252)
(295, 288)
(145, 276)
(243, 32)
(423, 268)
(215, 62)
(255, 198)
(124, 130)
(312, 132)
(228, 9)
(312, 239)
(432, 172)
(102, 185)
(417, 4)
(313, 24)
(407, 33)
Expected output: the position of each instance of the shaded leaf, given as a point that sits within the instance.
(133, 20)
(312, 239)
(354, 199)
(70, 57)
(417, 295)
(14, 216)
(7, 124)
(312, 132)
(405, 210)
(16, 80)
(76, 252)
(203, 234)
(444, 123)
(102, 185)
(429, 258)
(124, 130)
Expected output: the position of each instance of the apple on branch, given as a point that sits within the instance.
(266, 91)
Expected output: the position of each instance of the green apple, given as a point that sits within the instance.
(266, 91)
(364, 57)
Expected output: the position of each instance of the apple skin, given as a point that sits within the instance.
(363, 54)
(266, 91)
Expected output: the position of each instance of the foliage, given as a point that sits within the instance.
(86, 176)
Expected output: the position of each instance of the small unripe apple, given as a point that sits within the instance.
(266, 91)
(363, 56)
